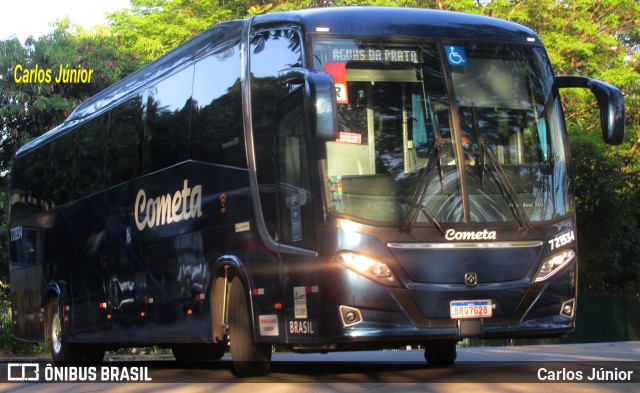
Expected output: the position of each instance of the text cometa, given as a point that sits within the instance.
(452, 234)
(166, 209)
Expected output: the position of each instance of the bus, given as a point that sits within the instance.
(318, 180)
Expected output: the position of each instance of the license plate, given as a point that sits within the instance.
(462, 309)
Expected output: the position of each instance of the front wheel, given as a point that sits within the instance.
(249, 359)
(440, 352)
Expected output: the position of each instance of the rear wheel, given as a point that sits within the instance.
(249, 359)
(62, 351)
(440, 352)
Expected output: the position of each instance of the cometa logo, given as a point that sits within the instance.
(452, 234)
(167, 209)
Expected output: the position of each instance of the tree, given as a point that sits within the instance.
(30, 108)
(151, 28)
(608, 208)
(33, 104)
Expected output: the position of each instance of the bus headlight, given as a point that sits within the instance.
(554, 264)
(368, 267)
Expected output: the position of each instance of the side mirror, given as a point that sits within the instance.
(610, 102)
(320, 99)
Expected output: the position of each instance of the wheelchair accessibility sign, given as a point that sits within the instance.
(456, 55)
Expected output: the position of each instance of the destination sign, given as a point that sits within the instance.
(376, 54)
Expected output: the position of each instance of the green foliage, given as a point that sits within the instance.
(608, 208)
(8, 344)
(6, 339)
(150, 28)
(29, 109)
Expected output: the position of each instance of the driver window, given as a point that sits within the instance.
(271, 51)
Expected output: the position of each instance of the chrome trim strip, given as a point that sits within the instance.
(494, 245)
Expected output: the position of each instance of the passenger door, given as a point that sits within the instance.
(296, 221)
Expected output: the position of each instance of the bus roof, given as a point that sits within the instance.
(403, 22)
(383, 22)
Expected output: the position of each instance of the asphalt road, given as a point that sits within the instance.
(564, 368)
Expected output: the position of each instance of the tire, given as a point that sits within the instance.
(199, 352)
(440, 352)
(62, 351)
(249, 359)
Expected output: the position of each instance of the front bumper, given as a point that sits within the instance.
(419, 312)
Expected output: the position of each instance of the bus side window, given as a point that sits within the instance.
(20, 177)
(92, 142)
(217, 134)
(166, 134)
(63, 168)
(41, 169)
(124, 145)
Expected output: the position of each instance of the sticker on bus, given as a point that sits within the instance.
(268, 325)
(339, 73)
(349, 137)
(456, 55)
(300, 302)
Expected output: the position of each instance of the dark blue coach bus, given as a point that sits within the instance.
(321, 180)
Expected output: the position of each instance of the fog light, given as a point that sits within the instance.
(350, 316)
(382, 271)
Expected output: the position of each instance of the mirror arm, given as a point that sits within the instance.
(564, 82)
(295, 75)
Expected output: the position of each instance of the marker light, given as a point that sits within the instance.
(568, 308)
(554, 264)
(368, 267)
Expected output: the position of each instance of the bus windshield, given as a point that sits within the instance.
(402, 144)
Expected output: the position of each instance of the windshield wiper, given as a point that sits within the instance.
(439, 140)
(416, 204)
(476, 128)
(519, 212)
